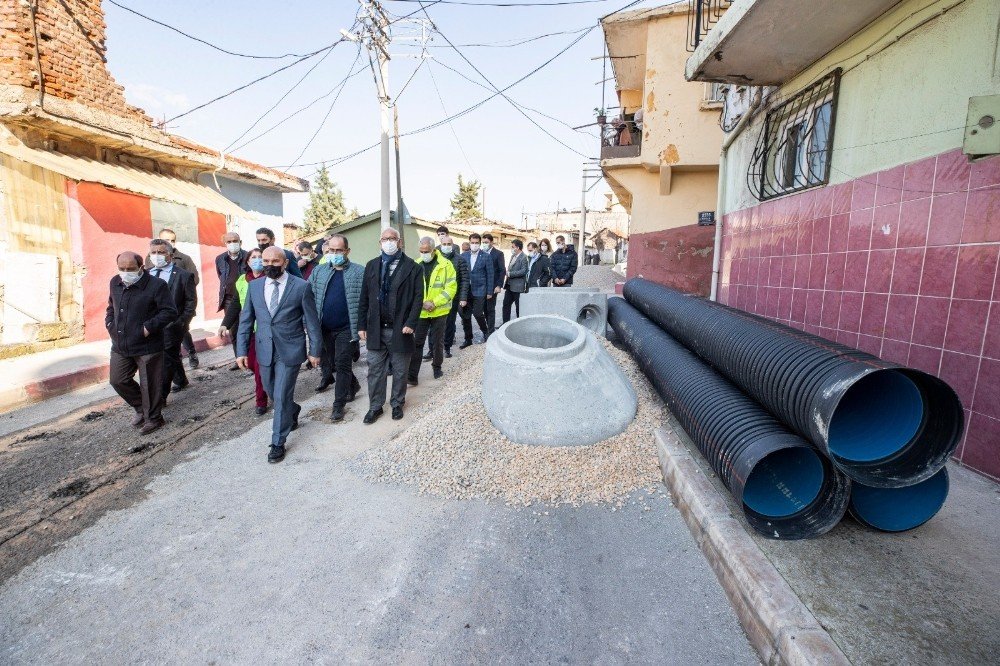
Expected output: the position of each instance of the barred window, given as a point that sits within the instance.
(794, 148)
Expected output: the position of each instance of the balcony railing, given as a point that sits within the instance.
(702, 15)
(621, 138)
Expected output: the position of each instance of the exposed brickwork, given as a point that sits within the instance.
(71, 36)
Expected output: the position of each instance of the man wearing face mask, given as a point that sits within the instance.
(308, 260)
(388, 314)
(539, 268)
(229, 266)
(139, 308)
(461, 299)
(517, 279)
(440, 282)
(188, 264)
(280, 311)
(337, 284)
(499, 276)
(481, 284)
(180, 283)
(265, 239)
(563, 263)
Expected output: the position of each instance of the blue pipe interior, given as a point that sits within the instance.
(784, 482)
(877, 417)
(899, 509)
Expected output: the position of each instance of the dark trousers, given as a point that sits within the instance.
(173, 369)
(450, 324)
(338, 358)
(279, 383)
(188, 343)
(435, 328)
(491, 313)
(378, 371)
(511, 298)
(146, 396)
(474, 307)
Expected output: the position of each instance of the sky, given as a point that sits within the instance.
(520, 167)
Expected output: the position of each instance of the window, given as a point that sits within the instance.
(793, 150)
(715, 93)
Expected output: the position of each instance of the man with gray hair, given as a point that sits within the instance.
(184, 296)
(440, 285)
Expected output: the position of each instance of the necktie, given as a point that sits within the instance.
(156, 272)
(273, 305)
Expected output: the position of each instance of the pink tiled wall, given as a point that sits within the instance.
(901, 263)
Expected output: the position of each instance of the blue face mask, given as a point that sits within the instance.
(256, 264)
(338, 259)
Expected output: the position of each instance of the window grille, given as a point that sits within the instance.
(702, 15)
(794, 148)
(715, 93)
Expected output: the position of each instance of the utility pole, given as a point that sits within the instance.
(597, 175)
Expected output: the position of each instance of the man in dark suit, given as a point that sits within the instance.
(539, 268)
(499, 276)
(229, 266)
(188, 264)
(184, 296)
(482, 282)
(265, 239)
(280, 311)
(451, 253)
(139, 308)
(517, 279)
(392, 293)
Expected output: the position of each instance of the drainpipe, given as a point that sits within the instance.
(721, 200)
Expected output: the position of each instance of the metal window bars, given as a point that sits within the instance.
(702, 15)
(793, 150)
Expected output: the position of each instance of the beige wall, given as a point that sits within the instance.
(691, 192)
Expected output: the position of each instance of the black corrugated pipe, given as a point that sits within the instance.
(788, 489)
(884, 425)
(899, 509)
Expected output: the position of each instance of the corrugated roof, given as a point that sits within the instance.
(126, 178)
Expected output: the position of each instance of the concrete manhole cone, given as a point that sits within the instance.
(549, 381)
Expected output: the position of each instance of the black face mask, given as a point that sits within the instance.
(274, 272)
(264, 246)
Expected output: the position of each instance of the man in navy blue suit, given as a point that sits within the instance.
(280, 310)
(499, 276)
(482, 282)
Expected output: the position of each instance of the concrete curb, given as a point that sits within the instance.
(778, 624)
(49, 387)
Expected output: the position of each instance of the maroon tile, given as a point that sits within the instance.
(802, 263)
(784, 304)
(967, 326)
(965, 433)
(947, 219)
(774, 272)
(724, 294)
(952, 173)
(982, 216)
(859, 234)
(923, 358)
(772, 302)
(814, 307)
(918, 179)
(873, 314)
(831, 309)
(939, 271)
(839, 228)
(812, 328)
(889, 186)
(835, 267)
(823, 203)
(906, 270)
(991, 345)
(805, 205)
(987, 400)
(914, 218)
(864, 193)
(931, 321)
(960, 371)
(842, 194)
(855, 271)
(847, 338)
(977, 268)
(885, 226)
(899, 317)
(803, 237)
(799, 305)
(817, 271)
(879, 271)
(985, 173)
(982, 445)
(895, 351)
(870, 344)
(788, 272)
(850, 311)
(821, 235)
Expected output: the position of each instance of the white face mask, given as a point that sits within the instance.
(426, 257)
(474, 247)
(158, 260)
(545, 248)
(390, 246)
(560, 245)
(130, 277)
(447, 249)
(233, 248)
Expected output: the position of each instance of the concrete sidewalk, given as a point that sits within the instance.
(35, 377)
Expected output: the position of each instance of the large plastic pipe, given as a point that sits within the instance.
(899, 509)
(787, 488)
(884, 425)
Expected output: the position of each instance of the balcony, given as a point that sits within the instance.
(767, 42)
(621, 138)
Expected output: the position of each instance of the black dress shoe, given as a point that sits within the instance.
(447, 352)
(324, 384)
(397, 413)
(355, 388)
(137, 420)
(276, 454)
(428, 356)
(438, 373)
(181, 386)
(193, 361)
(411, 381)
(372, 416)
(261, 410)
(467, 343)
(295, 417)
(338, 413)
(152, 426)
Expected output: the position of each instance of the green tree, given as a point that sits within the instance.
(465, 203)
(326, 204)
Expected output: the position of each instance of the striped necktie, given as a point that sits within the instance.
(273, 305)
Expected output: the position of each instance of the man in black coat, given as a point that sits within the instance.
(449, 250)
(188, 264)
(499, 277)
(139, 308)
(229, 266)
(564, 263)
(184, 296)
(392, 294)
(539, 268)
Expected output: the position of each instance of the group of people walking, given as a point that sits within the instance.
(314, 307)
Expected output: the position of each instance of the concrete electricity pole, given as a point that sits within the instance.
(597, 175)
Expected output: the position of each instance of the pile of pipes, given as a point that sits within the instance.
(800, 429)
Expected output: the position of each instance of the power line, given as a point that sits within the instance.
(556, 3)
(444, 108)
(514, 41)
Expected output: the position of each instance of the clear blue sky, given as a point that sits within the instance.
(520, 167)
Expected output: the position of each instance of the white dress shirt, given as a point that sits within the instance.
(472, 259)
(163, 273)
(269, 289)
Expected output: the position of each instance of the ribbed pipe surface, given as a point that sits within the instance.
(788, 489)
(884, 425)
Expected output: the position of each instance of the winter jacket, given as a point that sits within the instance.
(354, 275)
(540, 273)
(144, 305)
(499, 270)
(564, 265)
(440, 288)
(462, 272)
(222, 270)
(407, 287)
(517, 274)
(481, 276)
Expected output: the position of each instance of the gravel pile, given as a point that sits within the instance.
(453, 451)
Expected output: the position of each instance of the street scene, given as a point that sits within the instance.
(468, 331)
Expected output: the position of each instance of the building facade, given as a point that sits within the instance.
(861, 185)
